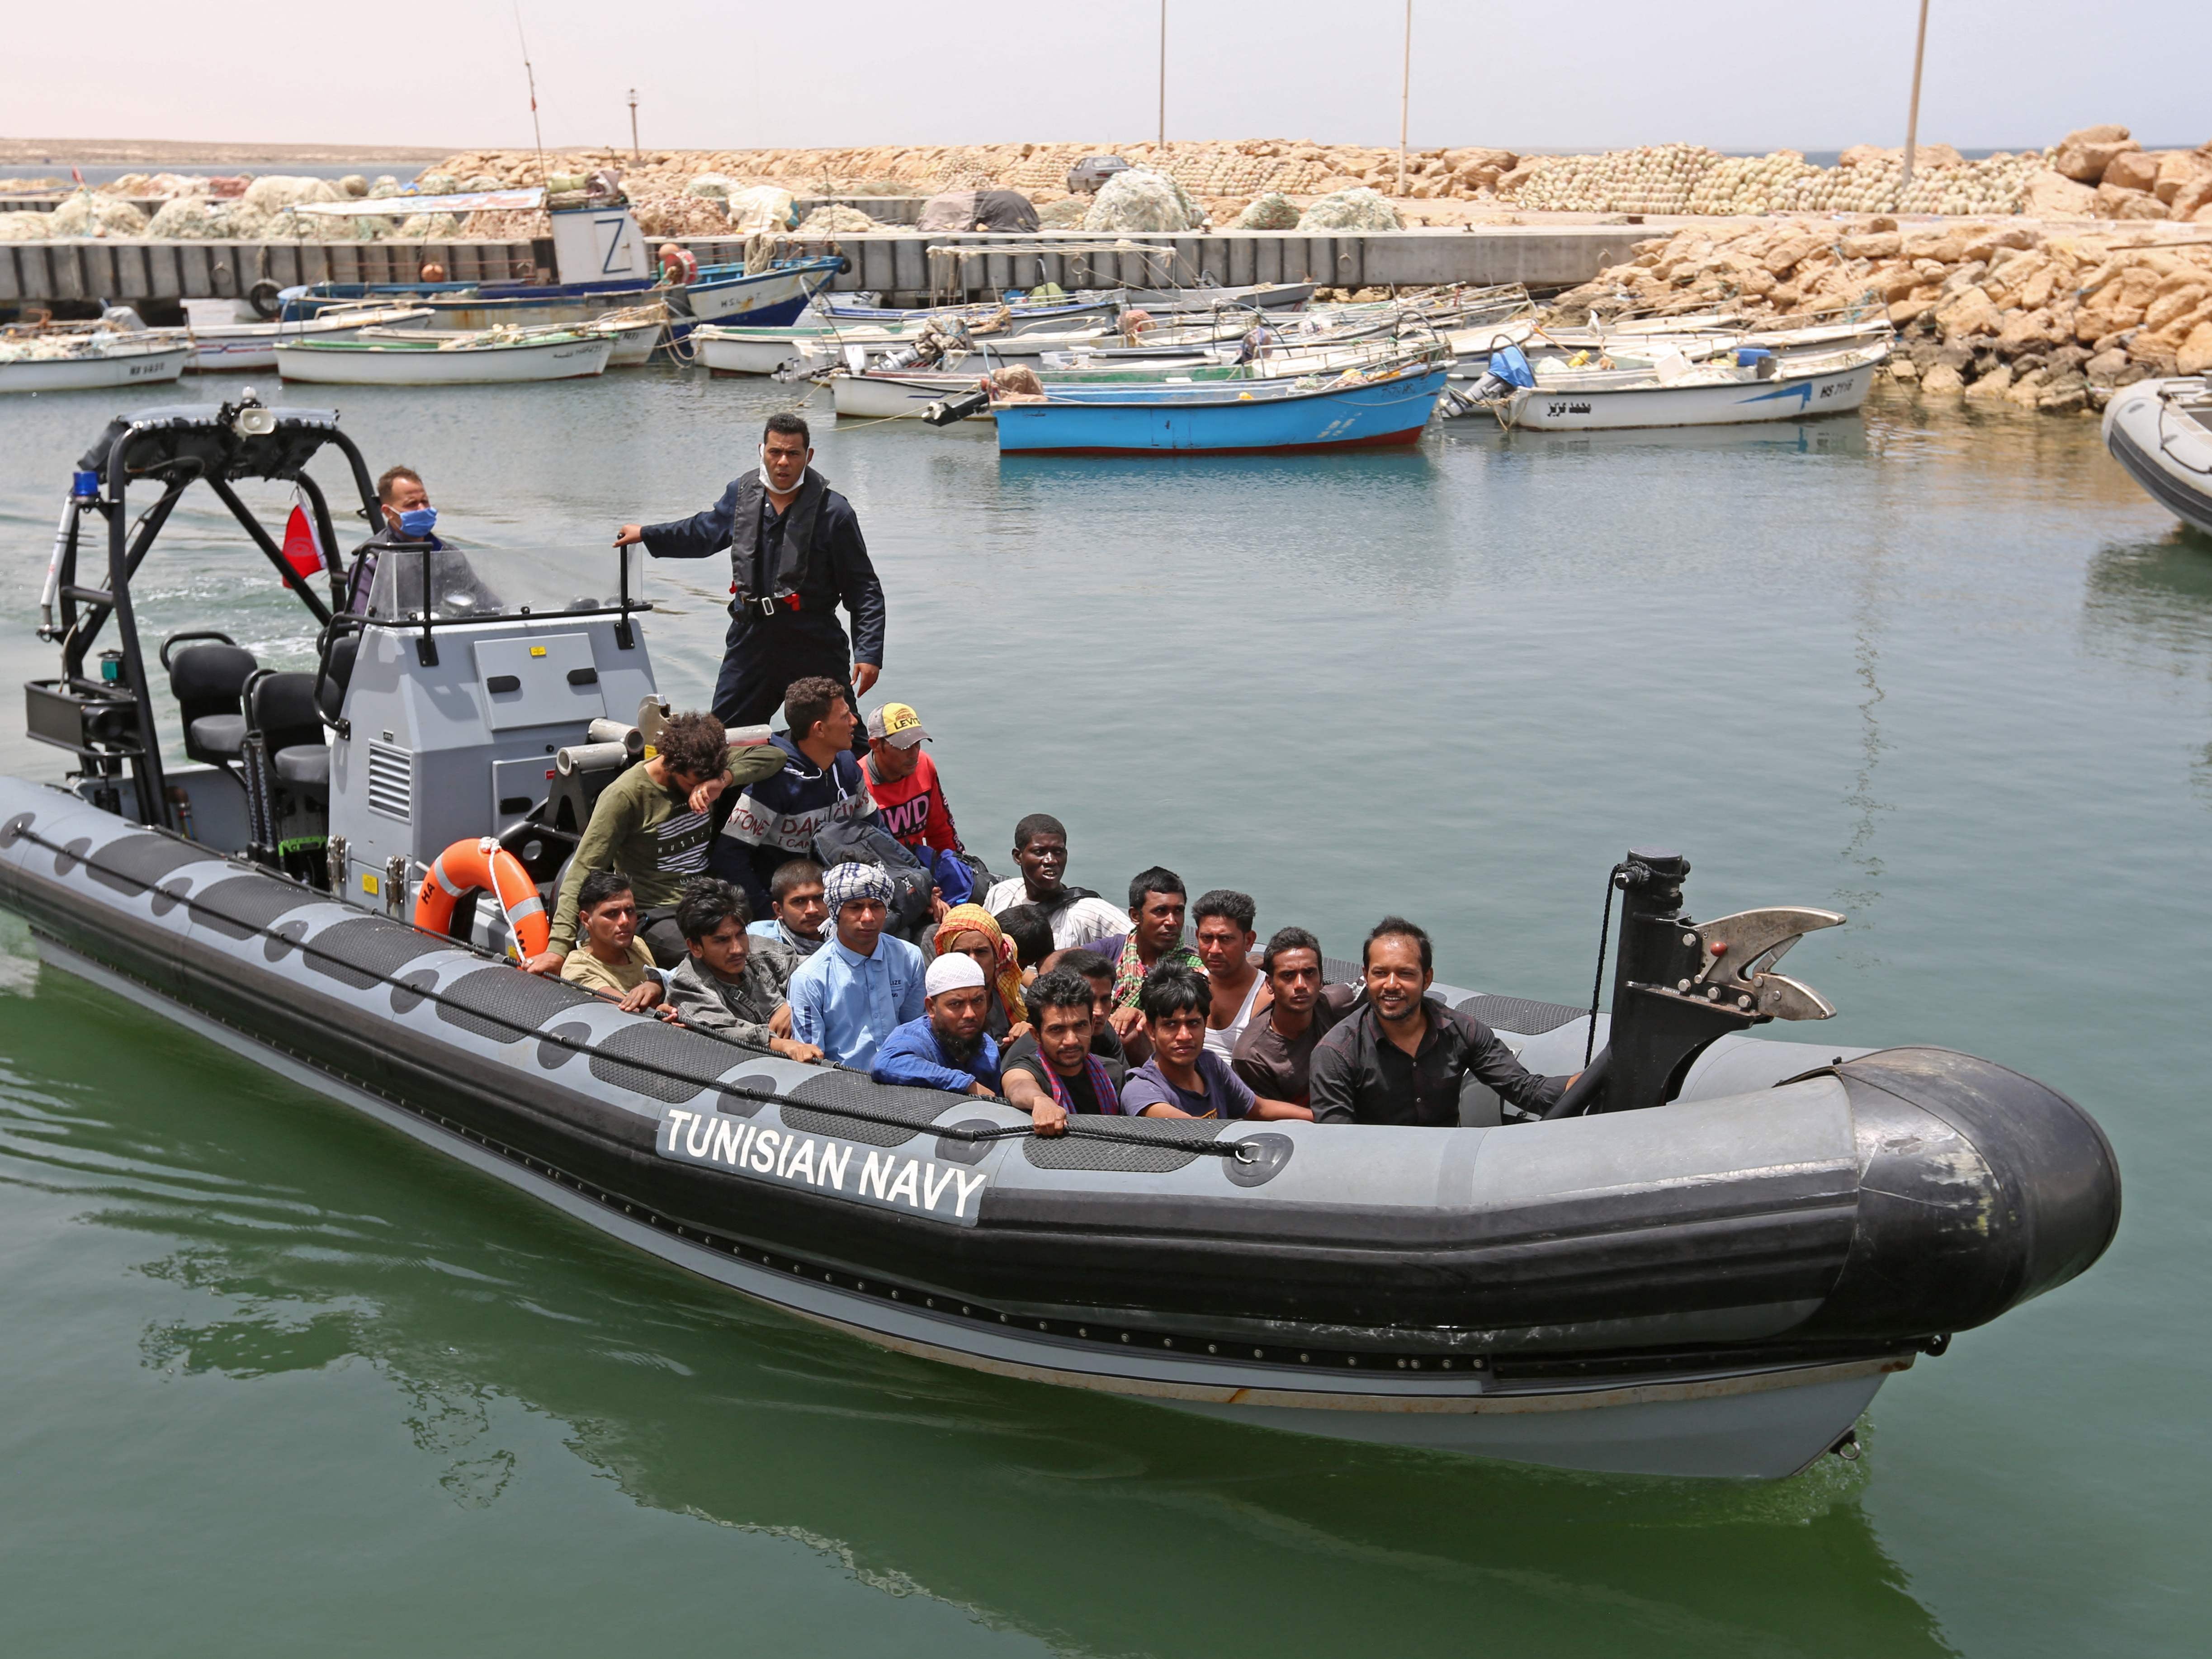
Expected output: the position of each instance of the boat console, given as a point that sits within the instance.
(448, 707)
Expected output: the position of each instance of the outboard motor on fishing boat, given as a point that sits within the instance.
(1680, 985)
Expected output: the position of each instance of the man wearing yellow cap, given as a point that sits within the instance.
(909, 799)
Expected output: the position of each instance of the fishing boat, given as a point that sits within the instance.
(2161, 432)
(1704, 1259)
(807, 347)
(238, 346)
(883, 393)
(484, 357)
(1256, 296)
(1750, 386)
(1020, 318)
(1388, 404)
(718, 294)
(65, 360)
(635, 331)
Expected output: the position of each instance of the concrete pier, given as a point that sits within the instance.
(895, 263)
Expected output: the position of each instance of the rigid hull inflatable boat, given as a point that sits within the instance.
(1704, 1264)
(2161, 432)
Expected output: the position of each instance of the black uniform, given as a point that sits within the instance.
(789, 573)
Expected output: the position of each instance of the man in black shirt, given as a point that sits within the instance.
(1275, 1057)
(1401, 1058)
(795, 555)
(1052, 1072)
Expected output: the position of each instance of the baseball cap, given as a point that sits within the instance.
(897, 724)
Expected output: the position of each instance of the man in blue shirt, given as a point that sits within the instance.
(948, 1048)
(863, 984)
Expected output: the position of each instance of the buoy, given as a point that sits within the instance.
(678, 264)
(483, 865)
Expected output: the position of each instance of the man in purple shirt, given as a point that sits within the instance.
(1183, 1078)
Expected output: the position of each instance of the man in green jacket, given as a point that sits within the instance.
(655, 825)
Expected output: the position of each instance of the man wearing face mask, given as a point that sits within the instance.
(409, 521)
(796, 556)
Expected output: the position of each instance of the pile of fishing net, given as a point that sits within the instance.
(25, 227)
(1271, 211)
(1360, 209)
(718, 186)
(1065, 214)
(1140, 200)
(835, 219)
(190, 219)
(85, 213)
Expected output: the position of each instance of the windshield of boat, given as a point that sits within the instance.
(468, 581)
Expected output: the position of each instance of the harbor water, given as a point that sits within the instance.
(277, 1380)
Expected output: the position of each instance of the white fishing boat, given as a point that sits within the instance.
(634, 331)
(765, 351)
(58, 361)
(2161, 432)
(492, 356)
(239, 346)
(1675, 391)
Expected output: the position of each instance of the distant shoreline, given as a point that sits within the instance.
(64, 151)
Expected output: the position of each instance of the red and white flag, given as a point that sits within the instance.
(303, 549)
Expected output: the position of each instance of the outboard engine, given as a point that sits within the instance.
(1678, 984)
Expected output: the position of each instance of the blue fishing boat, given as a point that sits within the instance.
(1347, 411)
(719, 294)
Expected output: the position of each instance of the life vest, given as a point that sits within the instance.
(484, 866)
(794, 565)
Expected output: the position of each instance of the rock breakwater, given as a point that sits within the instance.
(2044, 317)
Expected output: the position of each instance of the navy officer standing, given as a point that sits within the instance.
(795, 555)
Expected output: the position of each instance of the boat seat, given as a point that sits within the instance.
(306, 765)
(337, 674)
(280, 711)
(215, 738)
(208, 681)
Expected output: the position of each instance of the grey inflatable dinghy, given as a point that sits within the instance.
(2161, 432)
(1705, 1263)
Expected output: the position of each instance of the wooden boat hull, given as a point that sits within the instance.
(1253, 420)
(130, 366)
(395, 364)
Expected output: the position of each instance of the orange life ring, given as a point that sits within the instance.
(484, 866)
(678, 264)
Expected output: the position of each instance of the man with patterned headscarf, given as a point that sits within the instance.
(863, 984)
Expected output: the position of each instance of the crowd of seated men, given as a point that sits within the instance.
(695, 894)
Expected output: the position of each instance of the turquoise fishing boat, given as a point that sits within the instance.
(1352, 411)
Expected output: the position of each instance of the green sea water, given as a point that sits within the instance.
(274, 1380)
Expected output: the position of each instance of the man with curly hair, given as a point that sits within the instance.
(653, 824)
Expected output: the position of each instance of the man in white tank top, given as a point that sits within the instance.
(1224, 936)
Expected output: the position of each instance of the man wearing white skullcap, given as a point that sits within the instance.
(851, 995)
(947, 1047)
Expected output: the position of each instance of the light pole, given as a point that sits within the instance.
(633, 155)
(1406, 95)
(1163, 80)
(1912, 116)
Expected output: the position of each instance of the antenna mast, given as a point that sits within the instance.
(536, 132)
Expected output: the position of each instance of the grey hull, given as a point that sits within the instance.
(1714, 1288)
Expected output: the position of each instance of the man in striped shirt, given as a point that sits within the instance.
(653, 824)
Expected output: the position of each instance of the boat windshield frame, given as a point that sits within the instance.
(175, 447)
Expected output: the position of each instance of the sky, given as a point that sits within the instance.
(741, 73)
